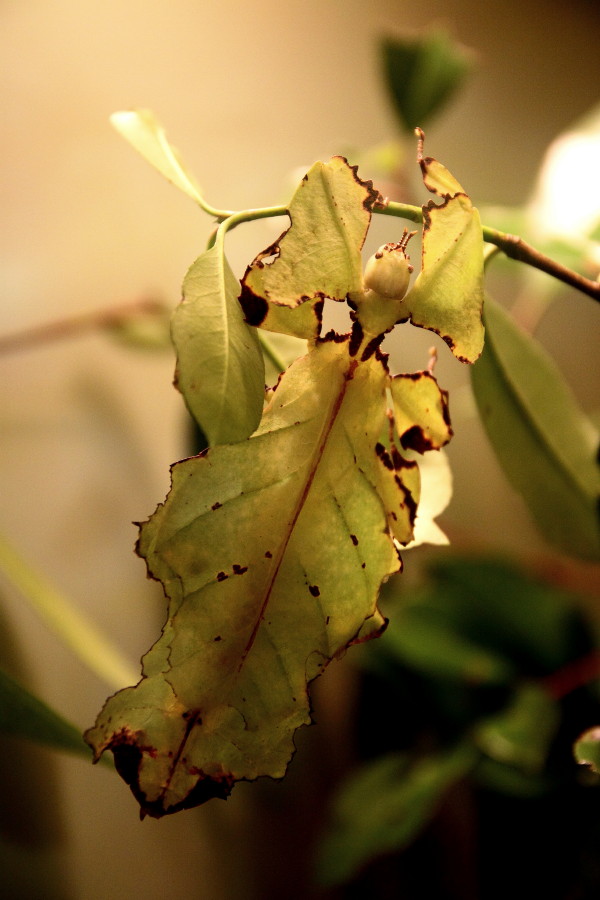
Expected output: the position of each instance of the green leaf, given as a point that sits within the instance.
(422, 638)
(497, 776)
(145, 134)
(543, 441)
(531, 624)
(317, 257)
(587, 749)
(272, 552)
(520, 735)
(220, 368)
(383, 808)
(422, 74)
(23, 715)
(447, 296)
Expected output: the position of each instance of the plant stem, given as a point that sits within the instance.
(573, 675)
(250, 215)
(85, 641)
(512, 246)
(219, 237)
(400, 210)
(516, 248)
(270, 352)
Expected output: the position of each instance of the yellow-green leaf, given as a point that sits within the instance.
(220, 369)
(272, 552)
(145, 134)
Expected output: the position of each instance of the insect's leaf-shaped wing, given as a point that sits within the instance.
(271, 552)
(420, 412)
(318, 256)
(447, 296)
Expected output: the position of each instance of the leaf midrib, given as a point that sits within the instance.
(314, 465)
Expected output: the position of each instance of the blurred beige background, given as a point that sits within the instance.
(247, 91)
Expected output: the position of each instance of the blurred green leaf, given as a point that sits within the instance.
(504, 779)
(422, 74)
(587, 749)
(544, 442)
(521, 734)
(423, 638)
(25, 716)
(503, 609)
(383, 808)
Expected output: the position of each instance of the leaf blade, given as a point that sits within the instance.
(24, 715)
(384, 807)
(220, 368)
(142, 130)
(422, 74)
(543, 441)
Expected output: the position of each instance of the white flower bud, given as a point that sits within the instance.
(388, 271)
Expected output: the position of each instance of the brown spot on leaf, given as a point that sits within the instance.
(255, 308)
(409, 500)
(314, 590)
(356, 338)
(221, 576)
(384, 456)
(239, 570)
(268, 555)
(333, 337)
(413, 376)
(372, 347)
(416, 439)
(354, 539)
(216, 505)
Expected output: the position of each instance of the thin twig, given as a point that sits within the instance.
(513, 247)
(77, 325)
(573, 675)
(516, 248)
